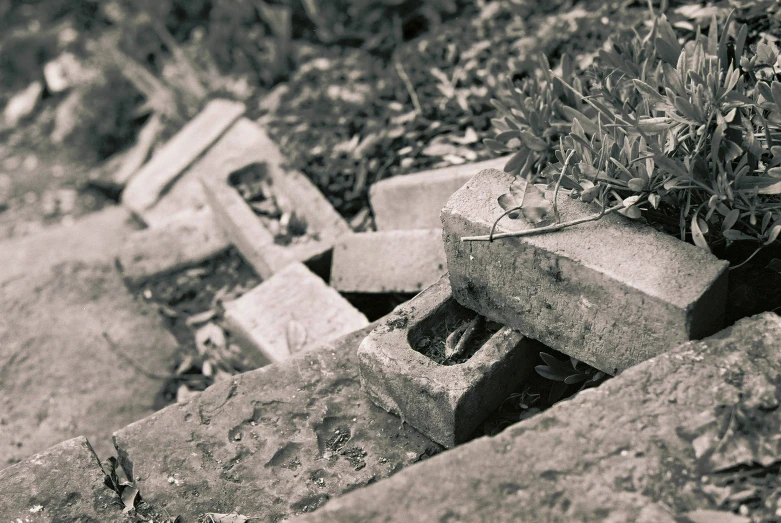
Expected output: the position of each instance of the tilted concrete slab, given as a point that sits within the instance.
(156, 176)
(413, 201)
(391, 261)
(293, 307)
(188, 239)
(63, 483)
(59, 376)
(270, 443)
(611, 292)
(638, 448)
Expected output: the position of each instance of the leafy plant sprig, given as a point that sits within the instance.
(568, 372)
(683, 133)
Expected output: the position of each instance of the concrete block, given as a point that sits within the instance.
(611, 293)
(292, 311)
(188, 239)
(444, 402)
(650, 445)
(146, 186)
(244, 144)
(413, 201)
(390, 261)
(63, 483)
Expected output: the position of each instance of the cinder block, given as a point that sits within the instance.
(292, 311)
(413, 201)
(391, 261)
(611, 293)
(190, 238)
(444, 402)
(146, 186)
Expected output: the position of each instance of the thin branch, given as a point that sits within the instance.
(410, 88)
(549, 228)
(558, 184)
(118, 352)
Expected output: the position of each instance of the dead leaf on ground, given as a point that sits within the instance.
(296, 336)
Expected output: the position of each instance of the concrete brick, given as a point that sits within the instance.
(244, 144)
(391, 261)
(271, 443)
(413, 201)
(645, 446)
(145, 187)
(294, 297)
(611, 293)
(63, 483)
(186, 240)
(444, 402)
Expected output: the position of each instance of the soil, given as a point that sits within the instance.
(186, 293)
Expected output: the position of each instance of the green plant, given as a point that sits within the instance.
(566, 373)
(684, 133)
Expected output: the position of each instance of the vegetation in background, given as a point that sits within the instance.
(679, 126)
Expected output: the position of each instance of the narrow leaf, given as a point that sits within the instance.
(730, 219)
(697, 235)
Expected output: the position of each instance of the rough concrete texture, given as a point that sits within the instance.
(59, 377)
(444, 402)
(94, 238)
(413, 201)
(186, 240)
(637, 448)
(270, 443)
(292, 311)
(391, 261)
(610, 293)
(156, 176)
(63, 483)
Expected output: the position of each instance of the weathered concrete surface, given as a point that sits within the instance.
(413, 201)
(444, 402)
(59, 377)
(145, 187)
(186, 240)
(63, 483)
(293, 307)
(624, 451)
(273, 442)
(611, 293)
(392, 261)
(94, 238)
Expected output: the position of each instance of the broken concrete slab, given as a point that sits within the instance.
(188, 239)
(446, 402)
(273, 442)
(95, 238)
(146, 186)
(644, 446)
(63, 483)
(413, 201)
(611, 293)
(390, 261)
(59, 376)
(292, 311)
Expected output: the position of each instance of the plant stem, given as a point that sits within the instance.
(410, 88)
(549, 228)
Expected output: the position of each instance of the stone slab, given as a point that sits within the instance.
(390, 261)
(640, 447)
(271, 443)
(59, 376)
(294, 303)
(63, 483)
(146, 186)
(611, 293)
(95, 238)
(188, 239)
(445, 402)
(413, 201)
